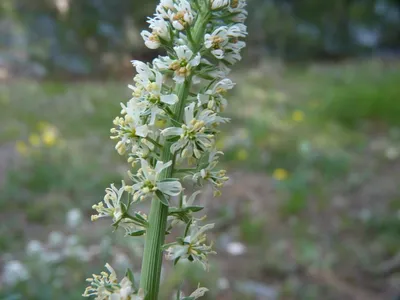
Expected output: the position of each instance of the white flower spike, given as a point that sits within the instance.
(167, 126)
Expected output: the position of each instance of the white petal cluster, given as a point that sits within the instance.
(214, 98)
(192, 246)
(112, 201)
(198, 293)
(218, 4)
(106, 287)
(182, 65)
(217, 178)
(160, 32)
(237, 8)
(196, 135)
(14, 272)
(147, 183)
(224, 41)
(178, 12)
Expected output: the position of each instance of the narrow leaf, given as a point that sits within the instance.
(137, 233)
(162, 198)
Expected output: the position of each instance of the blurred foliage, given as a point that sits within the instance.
(328, 29)
(75, 35)
(91, 36)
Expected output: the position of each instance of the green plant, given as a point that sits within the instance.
(169, 127)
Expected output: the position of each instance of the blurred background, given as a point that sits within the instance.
(312, 210)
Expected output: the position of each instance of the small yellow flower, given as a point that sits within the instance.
(21, 148)
(280, 174)
(34, 139)
(298, 116)
(49, 136)
(242, 154)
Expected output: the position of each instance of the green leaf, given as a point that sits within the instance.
(124, 208)
(176, 261)
(162, 198)
(130, 276)
(137, 233)
(195, 208)
(175, 210)
(141, 218)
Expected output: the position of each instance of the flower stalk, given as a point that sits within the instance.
(152, 257)
(168, 132)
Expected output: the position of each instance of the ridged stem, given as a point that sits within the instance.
(155, 235)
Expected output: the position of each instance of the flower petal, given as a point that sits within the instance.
(142, 131)
(189, 113)
(172, 131)
(169, 99)
(171, 188)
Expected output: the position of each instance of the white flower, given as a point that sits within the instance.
(199, 292)
(56, 238)
(237, 9)
(182, 66)
(125, 291)
(147, 182)
(160, 30)
(217, 4)
(192, 247)
(151, 40)
(232, 57)
(235, 248)
(34, 247)
(143, 69)
(14, 272)
(196, 134)
(216, 178)
(165, 6)
(214, 97)
(130, 128)
(160, 27)
(239, 17)
(106, 286)
(182, 15)
(237, 31)
(224, 39)
(217, 41)
(155, 100)
(112, 199)
(74, 217)
(188, 201)
(151, 98)
(237, 6)
(221, 87)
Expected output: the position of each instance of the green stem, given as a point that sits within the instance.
(152, 257)
(155, 234)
